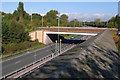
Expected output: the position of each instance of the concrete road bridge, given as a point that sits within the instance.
(48, 35)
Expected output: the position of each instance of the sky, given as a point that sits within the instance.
(119, 8)
(60, 0)
(83, 11)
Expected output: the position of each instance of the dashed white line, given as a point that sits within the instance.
(17, 62)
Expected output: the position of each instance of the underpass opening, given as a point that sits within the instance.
(76, 39)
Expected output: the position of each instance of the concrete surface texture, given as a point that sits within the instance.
(95, 58)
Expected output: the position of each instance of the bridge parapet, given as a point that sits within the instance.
(76, 29)
(73, 30)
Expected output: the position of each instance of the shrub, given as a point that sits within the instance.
(17, 47)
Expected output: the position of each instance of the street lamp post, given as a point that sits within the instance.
(42, 18)
(58, 30)
(31, 15)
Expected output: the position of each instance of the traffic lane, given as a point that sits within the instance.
(24, 62)
(11, 61)
(24, 58)
(17, 65)
(40, 53)
(6, 67)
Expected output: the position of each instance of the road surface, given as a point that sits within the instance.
(14, 64)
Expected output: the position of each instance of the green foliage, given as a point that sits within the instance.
(74, 23)
(64, 20)
(16, 47)
(37, 19)
(117, 20)
(114, 22)
(2, 13)
(14, 33)
(13, 26)
(51, 18)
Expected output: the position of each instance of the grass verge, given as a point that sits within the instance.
(116, 40)
(22, 52)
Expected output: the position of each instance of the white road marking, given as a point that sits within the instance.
(17, 62)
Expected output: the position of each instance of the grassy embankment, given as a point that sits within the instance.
(117, 40)
(19, 48)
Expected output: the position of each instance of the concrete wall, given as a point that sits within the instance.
(37, 35)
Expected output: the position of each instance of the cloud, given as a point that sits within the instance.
(89, 17)
(98, 14)
(63, 13)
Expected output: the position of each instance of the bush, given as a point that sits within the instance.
(17, 47)
(119, 46)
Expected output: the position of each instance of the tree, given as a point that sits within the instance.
(37, 19)
(51, 17)
(74, 23)
(64, 20)
(2, 13)
(20, 15)
(5, 33)
(71, 23)
(17, 33)
(114, 22)
(118, 21)
(97, 20)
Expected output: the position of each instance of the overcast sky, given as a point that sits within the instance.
(75, 10)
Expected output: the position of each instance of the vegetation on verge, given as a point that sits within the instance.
(117, 40)
(21, 51)
(17, 47)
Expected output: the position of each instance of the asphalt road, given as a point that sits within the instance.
(21, 61)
